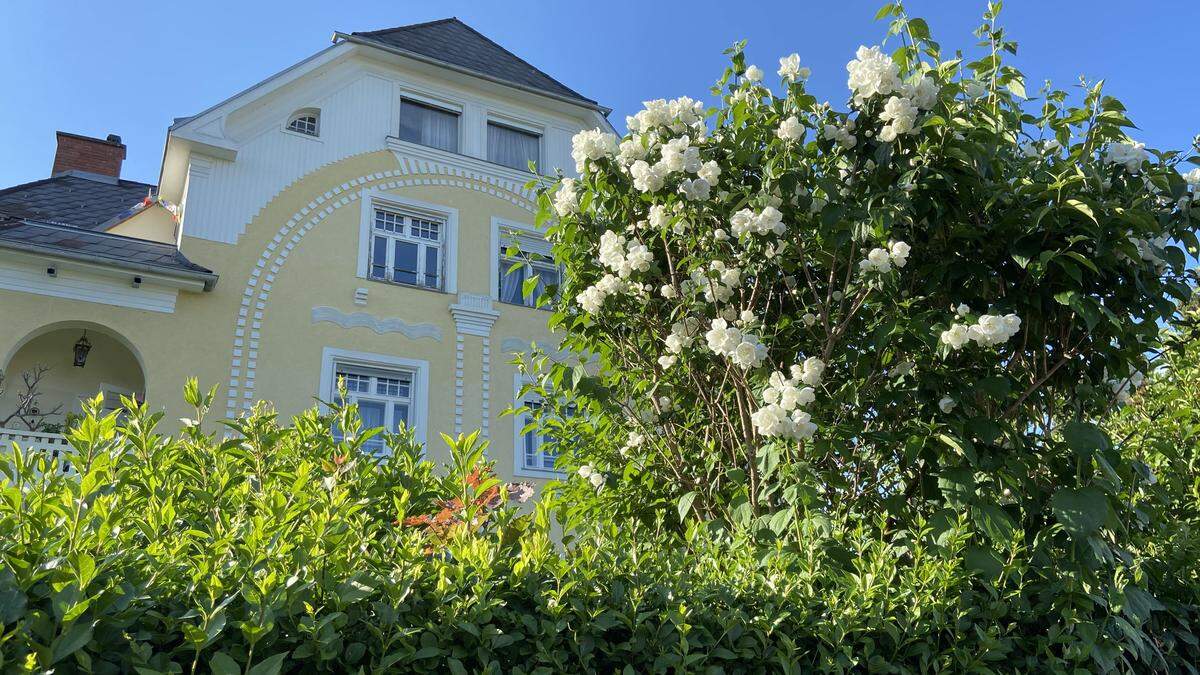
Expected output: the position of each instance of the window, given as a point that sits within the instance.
(305, 122)
(406, 249)
(532, 445)
(512, 147)
(523, 255)
(427, 125)
(384, 399)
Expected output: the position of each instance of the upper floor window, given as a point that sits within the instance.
(406, 249)
(428, 125)
(384, 399)
(307, 122)
(512, 147)
(522, 257)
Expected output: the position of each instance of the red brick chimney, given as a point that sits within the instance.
(93, 155)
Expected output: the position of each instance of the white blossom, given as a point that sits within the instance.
(989, 330)
(592, 144)
(924, 93)
(1129, 155)
(900, 117)
(791, 70)
(947, 404)
(872, 73)
(647, 178)
(695, 189)
(566, 199)
(962, 309)
(842, 135)
(790, 129)
(743, 349)
(770, 219)
(754, 74)
(710, 171)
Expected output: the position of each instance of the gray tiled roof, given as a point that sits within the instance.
(64, 241)
(454, 42)
(72, 200)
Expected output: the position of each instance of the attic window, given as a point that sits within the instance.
(307, 122)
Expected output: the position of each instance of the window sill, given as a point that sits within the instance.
(548, 474)
(401, 284)
(543, 308)
(297, 134)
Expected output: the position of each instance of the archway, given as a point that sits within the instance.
(43, 363)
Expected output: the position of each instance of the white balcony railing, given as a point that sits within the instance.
(54, 445)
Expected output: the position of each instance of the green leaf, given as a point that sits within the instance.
(71, 641)
(1085, 438)
(1081, 510)
(269, 666)
(1082, 208)
(223, 664)
(994, 522)
(685, 504)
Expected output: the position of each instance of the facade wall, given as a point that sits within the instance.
(256, 334)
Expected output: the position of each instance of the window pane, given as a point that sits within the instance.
(427, 125)
(426, 229)
(431, 267)
(511, 282)
(399, 415)
(547, 276)
(405, 263)
(305, 124)
(389, 221)
(530, 443)
(512, 147)
(379, 257)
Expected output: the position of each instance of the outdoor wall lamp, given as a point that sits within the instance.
(82, 347)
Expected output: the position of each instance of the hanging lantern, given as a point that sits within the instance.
(82, 347)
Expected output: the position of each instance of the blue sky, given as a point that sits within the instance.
(129, 67)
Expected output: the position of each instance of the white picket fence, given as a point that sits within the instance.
(54, 445)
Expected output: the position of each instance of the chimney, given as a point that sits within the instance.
(89, 155)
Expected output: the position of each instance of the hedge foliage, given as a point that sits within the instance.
(287, 550)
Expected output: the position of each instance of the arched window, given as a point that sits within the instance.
(307, 122)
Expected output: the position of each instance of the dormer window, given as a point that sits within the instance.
(307, 122)
(428, 125)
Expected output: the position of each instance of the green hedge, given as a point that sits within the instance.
(285, 550)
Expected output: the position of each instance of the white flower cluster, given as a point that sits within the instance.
(843, 135)
(678, 155)
(592, 144)
(899, 116)
(1148, 250)
(676, 114)
(872, 73)
(622, 256)
(718, 283)
(743, 349)
(592, 298)
(989, 330)
(783, 398)
(790, 129)
(881, 259)
(566, 199)
(947, 404)
(1192, 178)
(593, 476)
(791, 70)
(683, 333)
(770, 219)
(1123, 387)
(1129, 155)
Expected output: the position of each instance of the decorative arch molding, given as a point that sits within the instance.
(256, 293)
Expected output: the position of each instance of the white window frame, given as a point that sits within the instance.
(416, 369)
(373, 199)
(499, 225)
(519, 467)
(304, 112)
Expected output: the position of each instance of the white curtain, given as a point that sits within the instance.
(427, 125)
(510, 283)
(512, 147)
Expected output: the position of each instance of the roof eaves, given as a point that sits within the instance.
(416, 56)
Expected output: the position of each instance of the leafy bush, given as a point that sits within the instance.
(286, 550)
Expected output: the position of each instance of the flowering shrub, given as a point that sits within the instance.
(912, 305)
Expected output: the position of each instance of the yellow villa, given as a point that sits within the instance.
(347, 217)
